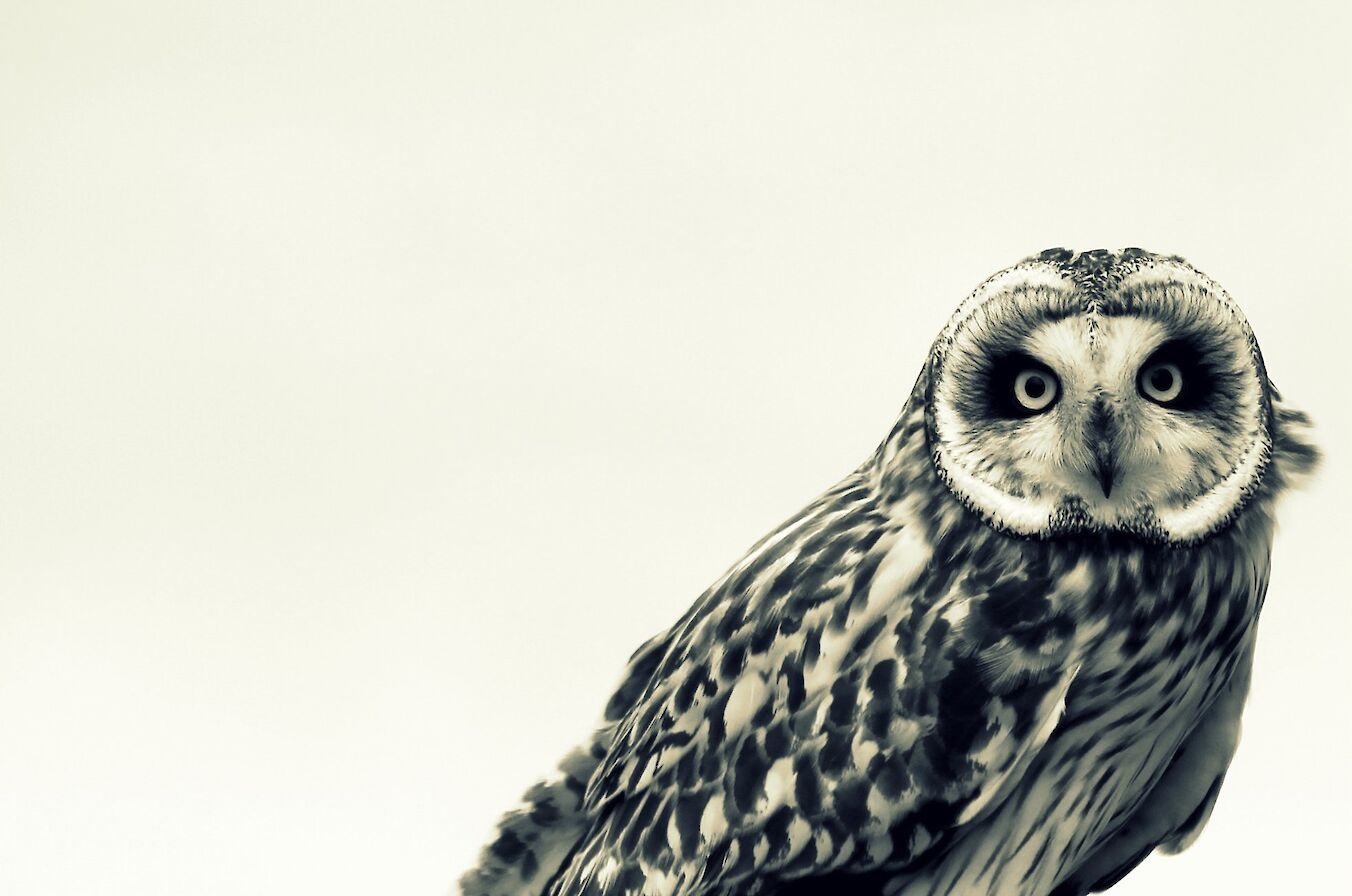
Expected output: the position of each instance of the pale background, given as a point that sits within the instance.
(374, 377)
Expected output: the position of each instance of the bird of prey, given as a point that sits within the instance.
(1006, 655)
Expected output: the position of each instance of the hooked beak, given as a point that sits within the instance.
(1101, 433)
(1104, 471)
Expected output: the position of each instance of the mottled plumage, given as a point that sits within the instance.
(1006, 655)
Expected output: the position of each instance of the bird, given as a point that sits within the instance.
(1007, 654)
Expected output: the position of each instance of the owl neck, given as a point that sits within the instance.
(902, 463)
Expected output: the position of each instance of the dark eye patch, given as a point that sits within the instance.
(1001, 374)
(1199, 377)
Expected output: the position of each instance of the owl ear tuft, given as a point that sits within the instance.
(1294, 454)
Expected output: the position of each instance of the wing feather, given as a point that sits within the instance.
(839, 701)
(1177, 808)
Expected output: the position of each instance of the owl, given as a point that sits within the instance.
(1006, 655)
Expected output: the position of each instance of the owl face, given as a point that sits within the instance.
(1100, 392)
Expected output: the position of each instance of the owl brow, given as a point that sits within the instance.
(1010, 322)
(1055, 314)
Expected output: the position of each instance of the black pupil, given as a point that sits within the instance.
(1034, 386)
(1162, 378)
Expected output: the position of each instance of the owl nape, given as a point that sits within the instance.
(1008, 654)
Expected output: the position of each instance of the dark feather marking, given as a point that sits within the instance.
(687, 812)
(851, 802)
(812, 647)
(843, 697)
(777, 830)
(795, 692)
(864, 640)
(807, 786)
(762, 716)
(763, 636)
(961, 706)
(655, 845)
(634, 818)
(544, 813)
(734, 660)
(835, 753)
(508, 846)
(687, 770)
(746, 783)
(888, 771)
(778, 740)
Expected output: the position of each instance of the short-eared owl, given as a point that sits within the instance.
(1006, 655)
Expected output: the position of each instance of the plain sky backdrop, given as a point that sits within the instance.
(375, 376)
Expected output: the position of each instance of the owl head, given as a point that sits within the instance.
(1100, 392)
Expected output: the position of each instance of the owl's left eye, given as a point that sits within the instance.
(1162, 382)
(1176, 377)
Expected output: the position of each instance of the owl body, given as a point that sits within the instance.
(951, 673)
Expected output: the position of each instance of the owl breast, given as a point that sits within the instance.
(1171, 627)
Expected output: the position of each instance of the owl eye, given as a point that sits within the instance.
(1181, 375)
(1161, 382)
(1035, 389)
(1018, 385)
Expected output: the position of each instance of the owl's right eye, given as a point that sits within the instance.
(1021, 386)
(1034, 389)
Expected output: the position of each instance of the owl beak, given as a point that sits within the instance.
(1101, 434)
(1104, 471)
